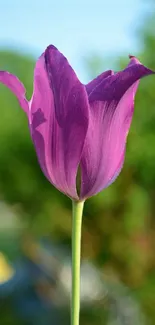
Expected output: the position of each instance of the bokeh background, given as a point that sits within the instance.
(118, 238)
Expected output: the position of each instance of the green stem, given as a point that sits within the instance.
(76, 255)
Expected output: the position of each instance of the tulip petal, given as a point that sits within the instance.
(95, 82)
(111, 111)
(58, 118)
(16, 86)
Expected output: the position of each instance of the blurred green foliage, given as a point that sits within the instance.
(119, 223)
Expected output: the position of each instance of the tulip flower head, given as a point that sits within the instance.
(77, 127)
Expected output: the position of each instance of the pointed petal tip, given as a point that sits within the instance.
(131, 56)
(50, 48)
(50, 52)
(133, 59)
(16, 86)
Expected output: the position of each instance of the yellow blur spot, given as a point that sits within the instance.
(6, 271)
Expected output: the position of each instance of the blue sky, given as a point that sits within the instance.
(78, 28)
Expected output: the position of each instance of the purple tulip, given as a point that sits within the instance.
(78, 127)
